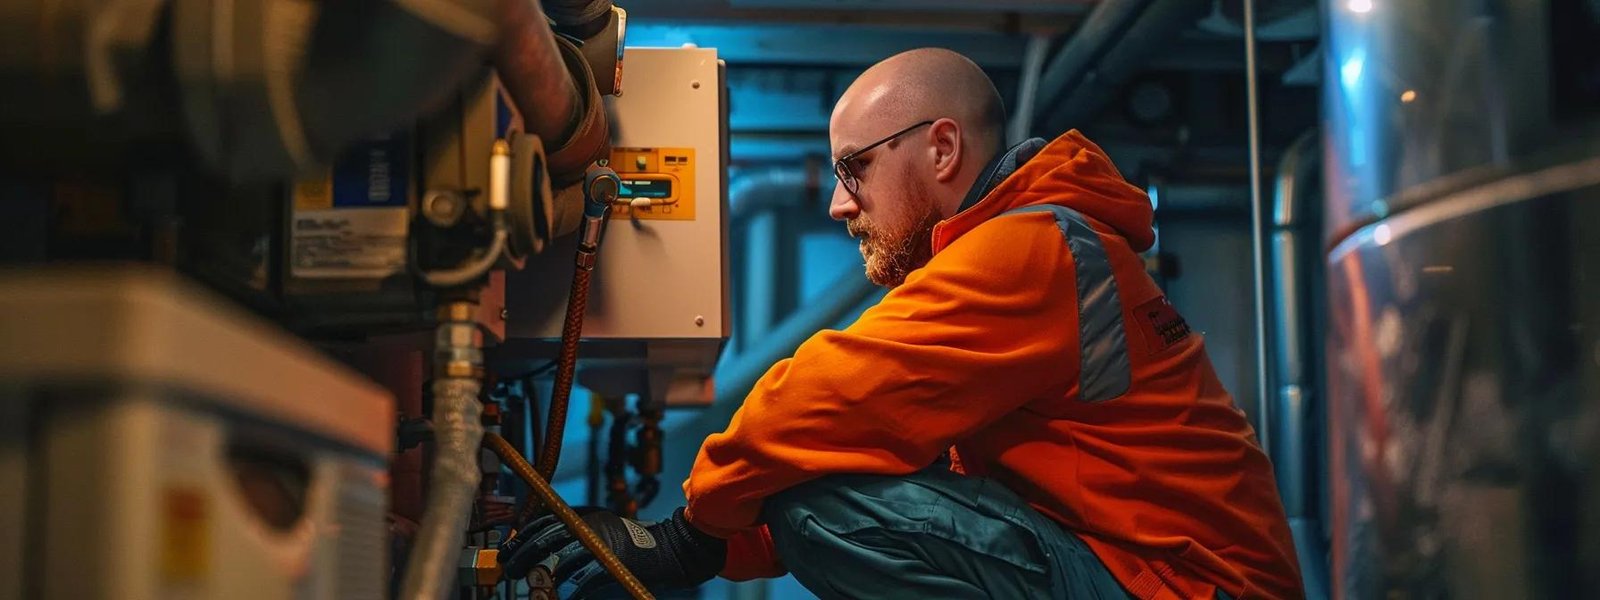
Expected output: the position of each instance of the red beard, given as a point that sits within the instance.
(893, 251)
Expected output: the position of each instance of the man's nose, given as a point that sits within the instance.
(844, 205)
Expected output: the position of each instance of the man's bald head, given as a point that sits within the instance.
(929, 83)
(909, 138)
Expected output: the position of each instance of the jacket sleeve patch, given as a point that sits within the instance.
(1160, 324)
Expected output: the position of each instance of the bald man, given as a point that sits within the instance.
(1022, 416)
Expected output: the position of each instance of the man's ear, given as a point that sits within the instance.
(946, 137)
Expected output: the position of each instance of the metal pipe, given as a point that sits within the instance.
(1153, 30)
(752, 193)
(1292, 243)
(552, 86)
(1289, 301)
(1032, 67)
(1257, 232)
(761, 253)
(533, 72)
(1106, 24)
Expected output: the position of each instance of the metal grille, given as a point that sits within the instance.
(362, 541)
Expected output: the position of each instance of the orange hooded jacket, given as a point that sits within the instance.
(1037, 350)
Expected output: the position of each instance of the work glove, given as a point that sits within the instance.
(667, 555)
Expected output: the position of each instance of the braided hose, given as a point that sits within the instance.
(566, 369)
(586, 536)
(601, 187)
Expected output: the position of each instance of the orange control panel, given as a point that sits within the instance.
(657, 183)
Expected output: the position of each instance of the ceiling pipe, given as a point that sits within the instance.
(1118, 38)
(1107, 23)
(1021, 126)
(1294, 242)
(751, 193)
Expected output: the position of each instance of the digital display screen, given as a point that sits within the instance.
(646, 188)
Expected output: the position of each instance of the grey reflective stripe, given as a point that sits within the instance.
(1105, 373)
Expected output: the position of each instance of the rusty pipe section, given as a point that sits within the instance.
(532, 71)
(552, 87)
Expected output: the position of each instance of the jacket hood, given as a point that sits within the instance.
(1070, 171)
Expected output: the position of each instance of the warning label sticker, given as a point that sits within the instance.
(349, 243)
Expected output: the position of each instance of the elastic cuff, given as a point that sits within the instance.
(702, 556)
(706, 528)
(752, 555)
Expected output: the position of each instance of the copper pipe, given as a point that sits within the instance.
(533, 72)
(547, 496)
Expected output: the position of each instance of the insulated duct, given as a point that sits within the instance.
(453, 486)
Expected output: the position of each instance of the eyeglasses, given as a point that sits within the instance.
(847, 175)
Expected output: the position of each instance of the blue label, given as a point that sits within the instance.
(373, 174)
(502, 115)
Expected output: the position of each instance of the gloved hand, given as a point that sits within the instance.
(668, 555)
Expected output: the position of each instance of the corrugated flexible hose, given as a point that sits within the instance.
(457, 415)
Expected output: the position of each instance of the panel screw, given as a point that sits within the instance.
(694, 84)
(504, 313)
(699, 321)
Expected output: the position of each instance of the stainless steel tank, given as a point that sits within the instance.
(1463, 221)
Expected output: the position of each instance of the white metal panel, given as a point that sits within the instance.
(145, 324)
(656, 279)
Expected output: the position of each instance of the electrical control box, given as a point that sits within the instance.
(161, 443)
(657, 183)
(658, 304)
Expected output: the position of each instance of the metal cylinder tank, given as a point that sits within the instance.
(1463, 220)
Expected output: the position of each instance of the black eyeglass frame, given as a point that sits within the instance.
(841, 167)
